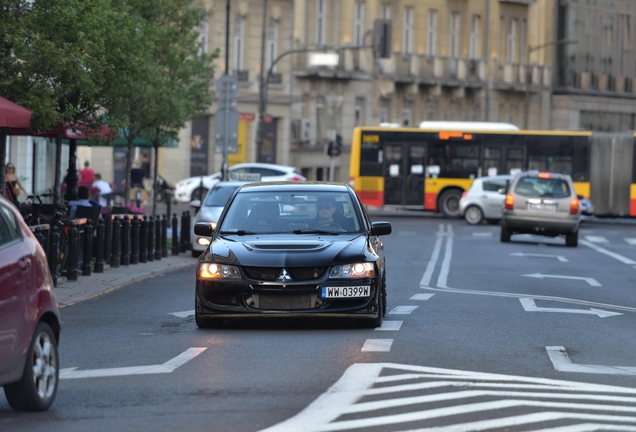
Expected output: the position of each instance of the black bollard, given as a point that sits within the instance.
(158, 231)
(143, 240)
(175, 235)
(182, 236)
(108, 238)
(114, 248)
(54, 252)
(99, 247)
(134, 241)
(73, 249)
(88, 248)
(125, 241)
(164, 236)
(188, 243)
(151, 242)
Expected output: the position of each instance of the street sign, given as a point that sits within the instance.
(267, 118)
(227, 87)
(226, 123)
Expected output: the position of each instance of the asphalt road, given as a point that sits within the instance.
(480, 335)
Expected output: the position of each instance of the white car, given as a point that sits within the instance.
(485, 199)
(194, 188)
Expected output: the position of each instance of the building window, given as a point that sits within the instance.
(272, 44)
(359, 112)
(431, 109)
(431, 33)
(203, 37)
(522, 42)
(320, 112)
(239, 30)
(384, 110)
(474, 38)
(511, 41)
(385, 12)
(455, 26)
(407, 31)
(454, 111)
(512, 115)
(320, 21)
(358, 24)
(474, 112)
(407, 113)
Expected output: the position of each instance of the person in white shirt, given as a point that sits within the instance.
(104, 189)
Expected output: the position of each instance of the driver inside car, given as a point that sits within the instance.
(328, 215)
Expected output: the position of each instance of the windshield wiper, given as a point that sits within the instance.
(237, 232)
(314, 231)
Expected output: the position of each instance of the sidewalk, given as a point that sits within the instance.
(70, 292)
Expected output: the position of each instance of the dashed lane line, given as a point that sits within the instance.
(402, 310)
(389, 326)
(377, 345)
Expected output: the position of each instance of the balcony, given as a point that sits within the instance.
(352, 63)
(515, 76)
(243, 75)
(434, 70)
(276, 78)
(598, 82)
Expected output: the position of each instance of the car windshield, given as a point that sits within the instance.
(299, 213)
(542, 187)
(219, 195)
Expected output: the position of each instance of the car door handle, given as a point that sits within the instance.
(24, 264)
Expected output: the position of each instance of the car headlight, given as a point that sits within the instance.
(358, 270)
(218, 271)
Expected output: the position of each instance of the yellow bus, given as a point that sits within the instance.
(429, 167)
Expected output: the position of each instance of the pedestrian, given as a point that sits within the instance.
(83, 195)
(137, 183)
(146, 166)
(13, 184)
(104, 189)
(86, 175)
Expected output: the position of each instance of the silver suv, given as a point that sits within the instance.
(543, 203)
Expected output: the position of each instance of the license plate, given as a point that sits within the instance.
(345, 292)
(542, 207)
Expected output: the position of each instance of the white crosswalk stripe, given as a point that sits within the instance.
(631, 241)
(596, 239)
(394, 397)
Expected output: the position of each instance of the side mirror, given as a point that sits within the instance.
(203, 229)
(380, 228)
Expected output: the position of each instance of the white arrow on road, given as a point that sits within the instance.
(521, 254)
(591, 281)
(562, 363)
(167, 367)
(529, 306)
(183, 314)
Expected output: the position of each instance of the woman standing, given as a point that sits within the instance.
(13, 183)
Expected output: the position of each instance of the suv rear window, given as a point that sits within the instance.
(540, 187)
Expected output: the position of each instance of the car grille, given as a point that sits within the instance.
(285, 301)
(297, 273)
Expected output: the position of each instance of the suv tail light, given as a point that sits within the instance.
(295, 178)
(575, 204)
(510, 201)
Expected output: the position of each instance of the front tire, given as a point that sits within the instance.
(377, 321)
(449, 203)
(205, 322)
(474, 215)
(37, 388)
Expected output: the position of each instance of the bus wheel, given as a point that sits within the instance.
(449, 203)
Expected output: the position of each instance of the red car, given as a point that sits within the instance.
(29, 317)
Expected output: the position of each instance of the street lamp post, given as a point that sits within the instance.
(529, 72)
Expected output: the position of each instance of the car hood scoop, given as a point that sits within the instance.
(288, 252)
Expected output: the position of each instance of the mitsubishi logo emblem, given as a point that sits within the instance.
(283, 276)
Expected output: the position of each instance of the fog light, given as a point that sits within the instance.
(203, 241)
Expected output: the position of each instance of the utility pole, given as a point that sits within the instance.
(264, 78)
(487, 59)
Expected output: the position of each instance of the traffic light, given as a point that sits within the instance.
(337, 147)
(330, 148)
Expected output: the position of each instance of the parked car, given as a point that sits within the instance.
(29, 317)
(292, 249)
(484, 200)
(587, 208)
(197, 187)
(209, 211)
(543, 203)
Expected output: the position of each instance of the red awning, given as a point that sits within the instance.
(70, 131)
(13, 115)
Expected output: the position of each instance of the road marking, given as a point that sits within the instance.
(614, 255)
(596, 239)
(402, 310)
(426, 278)
(355, 401)
(377, 345)
(521, 254)
(562, 363)
(631, 241)
(389, 326)
(530, 306)
(167, 367)
(183, 314)
(442, 279)
(590, 281)
(421, 296)
(482, 234)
